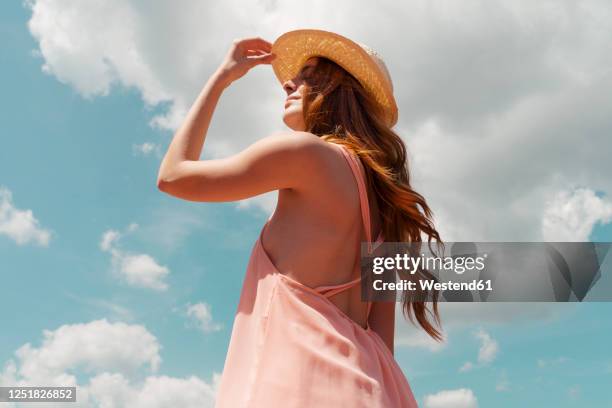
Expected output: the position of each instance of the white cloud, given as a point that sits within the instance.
(494, 124)
(113, 390)
(571, 215)
(108, 358)
(486, 353)
(142, 270)
(146, 149)
(20, 225)
(459, 398)
(139, 270)
(93, 347)
(201, 316)
(488, 347)
(109, 238)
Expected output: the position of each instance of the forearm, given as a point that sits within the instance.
(188, 140)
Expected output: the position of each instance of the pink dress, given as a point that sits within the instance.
(291, 347)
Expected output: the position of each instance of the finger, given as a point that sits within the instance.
(255, 52)
(256, 43)
(262, 59)
(259, 41)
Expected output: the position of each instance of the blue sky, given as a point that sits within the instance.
(74, 161)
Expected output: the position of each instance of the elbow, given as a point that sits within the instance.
(161, 180)
(163, 184)
(165, 179)
(171, 186)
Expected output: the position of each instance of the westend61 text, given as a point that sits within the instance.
(428, 284)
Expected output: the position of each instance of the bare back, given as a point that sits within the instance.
(314, 235)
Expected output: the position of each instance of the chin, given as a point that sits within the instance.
(294, 120)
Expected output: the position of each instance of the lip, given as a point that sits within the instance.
(288, 100)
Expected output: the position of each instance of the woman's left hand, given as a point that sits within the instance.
(243, 55)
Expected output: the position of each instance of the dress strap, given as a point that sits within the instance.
(359, 174)
(331, 290)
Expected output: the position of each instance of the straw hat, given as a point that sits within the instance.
(294, 48)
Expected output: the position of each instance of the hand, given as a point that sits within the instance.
(243, 55)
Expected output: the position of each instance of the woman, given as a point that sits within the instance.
(302, 336)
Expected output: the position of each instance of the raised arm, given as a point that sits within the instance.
(181, 173)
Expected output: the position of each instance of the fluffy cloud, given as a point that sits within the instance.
(459, 398)
(20, 225)
(488, 347)
(486, 353)
(97, 346)
(201, 316)
(571, 215)
(108, 358)
(113, 390)
(140, 270)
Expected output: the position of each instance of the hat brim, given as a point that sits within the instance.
(294, 48)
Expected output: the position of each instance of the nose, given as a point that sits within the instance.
(289, 86)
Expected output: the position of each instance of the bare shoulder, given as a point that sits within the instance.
(305, 148)
(297, 140)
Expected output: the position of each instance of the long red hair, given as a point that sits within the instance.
(337, 108)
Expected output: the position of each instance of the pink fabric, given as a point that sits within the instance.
(291, 347)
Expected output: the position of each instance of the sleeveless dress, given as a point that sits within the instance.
(292, 347)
